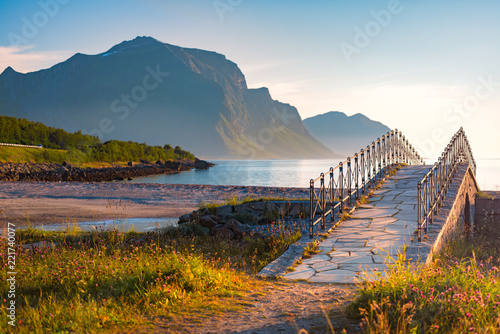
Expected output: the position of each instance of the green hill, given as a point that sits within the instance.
(60, 145)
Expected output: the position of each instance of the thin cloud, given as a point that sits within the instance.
(21, 59)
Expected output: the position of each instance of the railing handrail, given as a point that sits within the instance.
(436, 183)
(369, 163)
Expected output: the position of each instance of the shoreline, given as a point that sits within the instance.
(48, 203)
(66, 172)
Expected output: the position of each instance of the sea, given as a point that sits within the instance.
(288, 173)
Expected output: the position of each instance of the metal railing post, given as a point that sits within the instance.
(322, 201)
(332, 198)
(341, 186)
(311, 208)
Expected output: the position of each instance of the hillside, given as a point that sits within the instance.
(148, 91)
(60, 145)
(345, 134)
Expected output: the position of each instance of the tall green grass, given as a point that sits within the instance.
(105, 280)
(450, 296)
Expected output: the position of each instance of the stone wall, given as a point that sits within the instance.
(487, 216)
(457, 215)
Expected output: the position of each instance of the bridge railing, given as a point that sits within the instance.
(436, 183)
(330, 192)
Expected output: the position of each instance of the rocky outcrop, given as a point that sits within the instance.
(234, 221)
(66, 172)
(202, 164)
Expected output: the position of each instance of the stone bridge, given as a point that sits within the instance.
(394, 221)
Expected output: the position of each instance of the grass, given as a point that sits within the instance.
(481, 194)
(23, 154)
(311, 249)
(459, 293)
(235, 200)
(107, 280)
(12, 154)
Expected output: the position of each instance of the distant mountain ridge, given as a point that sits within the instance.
(148, 91)
(345, 134)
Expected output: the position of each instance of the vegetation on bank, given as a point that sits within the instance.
(459, 293)
(107, 280)
(76, 147)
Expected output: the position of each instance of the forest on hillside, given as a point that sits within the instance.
(81, 147)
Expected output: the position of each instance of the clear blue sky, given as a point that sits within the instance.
(412, 65)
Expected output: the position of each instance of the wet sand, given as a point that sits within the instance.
(48, 203)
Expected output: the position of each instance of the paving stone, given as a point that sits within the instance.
(393, 193)
(387, 203)
(385, 258)
(364, 259)
(388, 251)
(350, 245)
(360, 267)
(374, 213)
(324, 266)
(301, 272)
(380, 192)
(315, 259)
(334, 276)
(407, 207)
(389, 220)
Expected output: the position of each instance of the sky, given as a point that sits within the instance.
(424, 67)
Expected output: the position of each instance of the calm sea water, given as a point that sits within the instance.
(287, 173)
(268, 173)
(488, 174)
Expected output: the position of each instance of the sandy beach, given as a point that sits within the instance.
(66, 202)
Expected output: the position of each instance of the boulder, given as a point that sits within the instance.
(201, 164)
(159, 162)
(63, 174)
(131, 164)
(237, 228)
(224, 210)
(67, 165)
(207, 221)
(146, 162)
(222, 232)
(173, 165)
(184, 218)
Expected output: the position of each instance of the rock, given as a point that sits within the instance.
(207, 221)
(67, 165)
(297, 210)
(130, 179)
(222, 232)
(237, 228)
(63, 174)
(201, 164)
(184, 218)
(173, 165)
(146, 162)
(224, 210)
(131, 164)
(159, 162)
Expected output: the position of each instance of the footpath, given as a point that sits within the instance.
(368, 241)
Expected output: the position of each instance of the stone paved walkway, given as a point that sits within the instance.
(372, 237)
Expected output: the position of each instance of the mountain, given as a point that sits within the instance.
(148, 91)
(345, 134)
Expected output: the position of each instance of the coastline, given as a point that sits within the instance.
(66, 172)
(39, 202)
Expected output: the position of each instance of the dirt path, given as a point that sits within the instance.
(279, 307)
